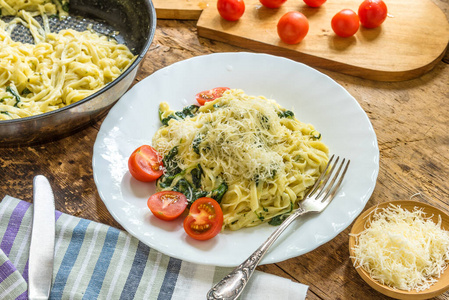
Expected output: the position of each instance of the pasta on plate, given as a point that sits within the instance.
(248, 153)
(59, 69)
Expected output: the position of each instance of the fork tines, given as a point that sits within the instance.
(329, 181)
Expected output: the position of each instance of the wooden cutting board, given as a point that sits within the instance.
(181, 9)
(409, 43)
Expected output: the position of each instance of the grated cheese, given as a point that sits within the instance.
(403, 249)
(259, 150)
(244, 135)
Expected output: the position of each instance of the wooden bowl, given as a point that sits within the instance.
(359, 225)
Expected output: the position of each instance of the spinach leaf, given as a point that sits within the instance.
(276, 221)
(256, 179)
(188, 111)
(196, 176)
(165, 181)
(165, 120)
(192, 194)
(12, 92)
(198, 194)
(260, 217)
(171, 168)
(218, 193)
(64, 5)
(170, 163)
(196, 143)
(26, 91)
(183, 186)
(286, 114)
(264, 122)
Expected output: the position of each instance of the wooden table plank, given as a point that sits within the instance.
(181, 9)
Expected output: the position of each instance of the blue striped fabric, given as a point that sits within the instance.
(136, 272)
(94, 287)
(69, 259)
(168, 286)
(96, 261)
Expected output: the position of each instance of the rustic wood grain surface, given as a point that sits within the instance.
(400, 58)
(411, 120)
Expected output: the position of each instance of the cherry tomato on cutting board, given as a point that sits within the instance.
(372, 13)
(145, 164)
(210, 95)
(167, 205)
(205, 219)
(293, 27)
(345, 23)
(272, 3)
(314, 3)
(231, 10)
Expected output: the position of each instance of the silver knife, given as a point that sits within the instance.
(42, 248)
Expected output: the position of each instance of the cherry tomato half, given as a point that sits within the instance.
(293, 27)
(314, 3)
(272, 3)
(167, 205)
(231, 10)
(205, 219)
(210, 95)
(372, 13)
(345, 23)
(145, 164)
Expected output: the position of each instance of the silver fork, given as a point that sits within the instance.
(316, 200)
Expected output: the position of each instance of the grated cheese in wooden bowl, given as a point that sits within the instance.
(403, 249)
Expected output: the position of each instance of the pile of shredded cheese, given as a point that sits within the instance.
(403, 249)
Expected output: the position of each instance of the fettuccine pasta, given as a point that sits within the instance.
(247, 152)
(12, 7)
(58, 70)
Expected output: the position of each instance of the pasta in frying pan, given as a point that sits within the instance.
(247, 152)
(59, 69)
(12, 7)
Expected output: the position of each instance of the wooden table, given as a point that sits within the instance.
(411, 120)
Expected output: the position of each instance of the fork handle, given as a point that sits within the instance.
(232, 285)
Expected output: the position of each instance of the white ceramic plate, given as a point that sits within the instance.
(315, 99)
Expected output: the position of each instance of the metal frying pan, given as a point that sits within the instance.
(130, 22)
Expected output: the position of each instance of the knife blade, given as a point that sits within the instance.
(42, 247)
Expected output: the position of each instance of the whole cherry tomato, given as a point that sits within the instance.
(205, 219)
(272, 3)
(145, 164)
(167, 205)
(314, 3)
(372, 13)
(345, 23)
(231, 10)
(210, 95)
(293, 27)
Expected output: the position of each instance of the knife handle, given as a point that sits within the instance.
(42, 246)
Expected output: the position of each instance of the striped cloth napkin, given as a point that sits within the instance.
(96, 261)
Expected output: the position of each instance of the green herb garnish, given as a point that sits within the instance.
(286, 114)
